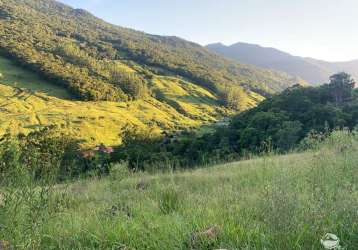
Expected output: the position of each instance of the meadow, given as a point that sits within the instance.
(266, 202)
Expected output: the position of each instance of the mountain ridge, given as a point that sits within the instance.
(312, 70)
(81, 52)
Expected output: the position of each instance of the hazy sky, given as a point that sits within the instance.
(324, 29)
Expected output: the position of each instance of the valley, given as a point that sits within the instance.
(115, 138)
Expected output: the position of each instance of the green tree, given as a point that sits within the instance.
(341, 86)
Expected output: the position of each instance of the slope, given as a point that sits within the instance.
(95, 60)
(309, 69)
(28, 103)
(273, 202)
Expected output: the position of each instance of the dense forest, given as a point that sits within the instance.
(99, 61)
(280, 123)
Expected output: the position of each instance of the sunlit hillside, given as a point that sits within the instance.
(28, 102)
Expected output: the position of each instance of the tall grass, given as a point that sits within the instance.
(273, 202)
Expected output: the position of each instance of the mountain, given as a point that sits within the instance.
(95, 60)
(312, 70)
(97, 79)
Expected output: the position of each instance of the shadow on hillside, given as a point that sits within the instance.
(20, 78)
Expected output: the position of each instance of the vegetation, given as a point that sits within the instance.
(29, 103)
(280, 122)
(273, 202)
(98, 61)
(17, 77)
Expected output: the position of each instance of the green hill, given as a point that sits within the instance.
(99, 61)
(96, 78)
(281, 122)
(28, 102)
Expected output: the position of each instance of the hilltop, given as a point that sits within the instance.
(311, 70)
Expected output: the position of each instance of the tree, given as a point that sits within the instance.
(341, 86)
(288, 136)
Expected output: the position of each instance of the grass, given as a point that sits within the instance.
(28, 102)
(15, 76)
(94, 122)
(272, 202)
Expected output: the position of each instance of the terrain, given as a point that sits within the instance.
(28, 103)
(271, 202)
(281, 122)
(112, 138)
(95, 78)
(312, 70)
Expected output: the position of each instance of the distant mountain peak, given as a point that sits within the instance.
(310, 69)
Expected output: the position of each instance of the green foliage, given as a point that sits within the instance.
(130, 83)
(76, 50)
(288, 117)
(278, 123)
(27, 205)
(43, 152)
(48, 153)
(340, 87)
(119, 172)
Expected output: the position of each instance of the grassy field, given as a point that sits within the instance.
(28, 102)
(272, 202)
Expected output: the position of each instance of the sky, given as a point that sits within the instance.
(322, 29)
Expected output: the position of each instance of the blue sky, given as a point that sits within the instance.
(324, 29)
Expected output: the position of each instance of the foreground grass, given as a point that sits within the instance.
(273, 202)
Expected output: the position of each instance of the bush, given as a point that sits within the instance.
(119, 172)
(47, 154)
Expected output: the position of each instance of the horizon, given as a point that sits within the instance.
(306, 32)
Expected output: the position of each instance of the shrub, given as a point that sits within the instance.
(119, 171)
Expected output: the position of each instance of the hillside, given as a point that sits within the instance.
(281, 123)
(273, 202)
(312, 70)
(98, 61)
(28, 102)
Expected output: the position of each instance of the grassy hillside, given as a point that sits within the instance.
(273, 202)
(28, 102)
(97, 61)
